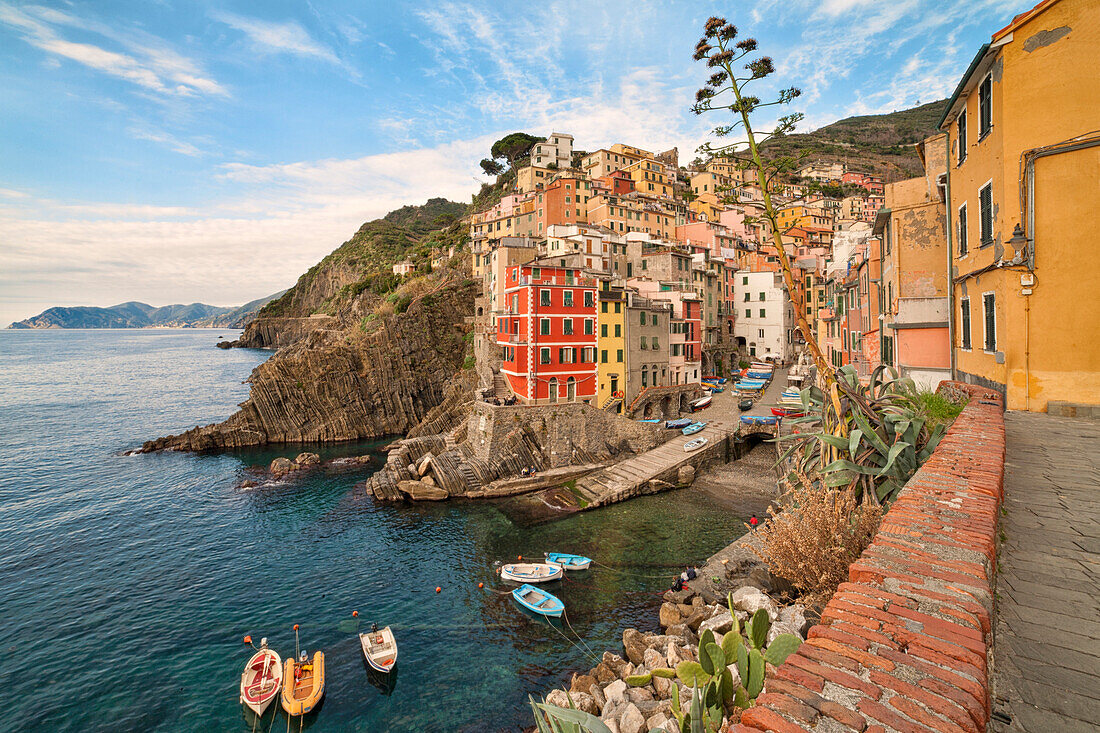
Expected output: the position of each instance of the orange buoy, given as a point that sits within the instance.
(295, 627)
(438, 589)
(247, 639)
(480, 585)
(519, 557)
(355, 614)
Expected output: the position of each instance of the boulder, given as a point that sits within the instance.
(672, 655)
(782, 627)
(685, 475)
(557, 697)
(678, 596)
(628, 669)
(751, 600)
(736, 675)
(653, 659)
(615, 692)
(719, 623)
(307, 459)
(695, 620)
(581, 683)
(662, 686)
(605, 674)
(698, 601)
(424, 465)
(685, 609)
(631, 720)
(597, 695)
(428, 481)
(682, 631)
(669, 615)
(418, 491)
(247, 484)
(634, 644)
(639, 694)
(795, 615)
(281, 466)
(658, 722)
(585, 702)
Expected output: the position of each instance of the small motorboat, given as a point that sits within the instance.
(694, 428)
(683, 422)
(746, 403)
(701, 403)
(538, 600)
(533, 572)
(568, 562)
(380, 648)
(303, 684)
(694, 444)
(261, 679)
(787, 412)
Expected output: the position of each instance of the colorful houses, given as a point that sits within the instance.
(1022, 186)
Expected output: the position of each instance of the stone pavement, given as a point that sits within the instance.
(1047, 630)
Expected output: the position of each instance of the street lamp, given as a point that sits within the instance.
(1018, 243)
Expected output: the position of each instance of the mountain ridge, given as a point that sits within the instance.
(135, 314)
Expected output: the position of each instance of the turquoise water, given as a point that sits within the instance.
(129, 581)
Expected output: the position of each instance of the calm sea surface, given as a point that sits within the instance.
(129, 582)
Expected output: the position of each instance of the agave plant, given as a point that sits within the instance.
(553, 719)
(870, 438)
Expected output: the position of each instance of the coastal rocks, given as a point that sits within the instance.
(307, 459)
(338, 385)
(631, 720)
(280, 467)
(669, 615)
(635, 645)
(582, 700)
(582, 683)
(751, 600)
(719, 623)
(614, 693)
(420, 491)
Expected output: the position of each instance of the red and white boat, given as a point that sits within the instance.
(262, 679)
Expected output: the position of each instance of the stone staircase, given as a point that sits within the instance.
(500, 386)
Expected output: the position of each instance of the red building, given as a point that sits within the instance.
(562, 202)
(873, 184)
(548, 333)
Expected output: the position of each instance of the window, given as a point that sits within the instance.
(544, 297)
(567, 298)
(588, 326)
(985, 210)
(603, 330)
(761, 296)
(964, 323)
(748, 297)
(985, 107)
(761, 333)
(603, 307)
(544, 326)
(619, 356)
(989, 313)
(618, 330)
(645, 378)
(643, 346)
(643, 318)
(962, 231)
(536, 272)
(748, 313)
(603, 356)
(544, 355)
(618, 307)
(656, 343)
(654, 320)
(960, 128)
(589, 299)
(744, 281)
(567, 326)
(762, 313)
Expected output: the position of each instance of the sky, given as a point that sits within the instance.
(177, 152)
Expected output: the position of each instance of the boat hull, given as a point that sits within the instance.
(531, 573)
(301, 694)
(538, 601)
(694, 428)
(380, 649)
(568, 562)
(261, 681)
(693, 445)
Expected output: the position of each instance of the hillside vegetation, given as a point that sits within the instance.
(880, 144)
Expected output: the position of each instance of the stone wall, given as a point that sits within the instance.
(906, 644)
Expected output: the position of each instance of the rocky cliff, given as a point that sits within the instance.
(378, 378)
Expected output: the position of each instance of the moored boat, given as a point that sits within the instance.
(261, 678)
(380, 648)
(694, 444)
(695, 427)
(303, 684)
(530, 572)
(568, 562)
(682, 422)
(538, 600)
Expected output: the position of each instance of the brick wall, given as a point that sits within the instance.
(905, 644)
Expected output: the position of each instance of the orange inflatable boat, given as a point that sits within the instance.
(303, 684)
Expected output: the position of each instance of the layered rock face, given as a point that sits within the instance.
(277, 332)
(336, 384)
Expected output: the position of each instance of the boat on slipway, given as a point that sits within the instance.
(682, 422)
(694, 428)
(696, 444)
(538, 600)
(701, 403)
(568, 562)
(261, 679)
(533, 572)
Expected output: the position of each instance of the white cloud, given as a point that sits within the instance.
(168, 140)
(288, 37)
(150, 64)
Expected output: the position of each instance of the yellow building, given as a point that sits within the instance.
(611, 373)
(650, 178)
(807, 216)
(1023, 189)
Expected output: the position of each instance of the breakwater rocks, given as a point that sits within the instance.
(342, 385)
(622, 689)
(483, 448)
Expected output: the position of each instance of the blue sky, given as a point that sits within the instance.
(173, 151)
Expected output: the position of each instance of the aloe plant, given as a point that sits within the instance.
(873, 444)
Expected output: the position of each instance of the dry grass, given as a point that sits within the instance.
(815, 536)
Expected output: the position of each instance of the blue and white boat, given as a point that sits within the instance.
(538, 600)
(531, 572)
(695, 444)
(566, 561)
(694, 428)
(683, 422)
(648, 420)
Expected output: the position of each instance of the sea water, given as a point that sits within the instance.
(128, 582)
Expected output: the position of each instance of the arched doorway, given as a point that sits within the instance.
(666, 405)
(553, 389)
(571, 389)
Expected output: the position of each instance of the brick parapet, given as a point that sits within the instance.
(905, 645)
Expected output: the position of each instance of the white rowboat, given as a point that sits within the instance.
(531, 572)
